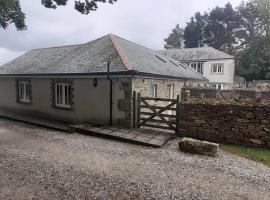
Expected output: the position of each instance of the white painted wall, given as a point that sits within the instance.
(226, 77)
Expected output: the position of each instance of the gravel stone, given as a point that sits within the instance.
(37, 163)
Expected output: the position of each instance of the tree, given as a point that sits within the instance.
(263, 8)
(194, 31)
(249, 24)
(254, 62)
(222, 27)
(11, 13)
(84, 7)
(175, 39)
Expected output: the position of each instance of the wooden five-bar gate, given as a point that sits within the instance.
(161, 113)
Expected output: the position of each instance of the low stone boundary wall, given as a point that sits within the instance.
(233, 124)
(226, 94)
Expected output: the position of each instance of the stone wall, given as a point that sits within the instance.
(233, 124)
(226, 94)
(143, 86)
(124, 104)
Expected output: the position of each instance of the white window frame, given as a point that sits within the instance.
(197, 66)
(171, 91)
(62, 92)
(219, 86)
(217, 69)
(154, 91)
(24, 91)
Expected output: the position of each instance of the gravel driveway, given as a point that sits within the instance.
(37, 163)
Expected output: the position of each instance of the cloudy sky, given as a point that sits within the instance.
(146, 22)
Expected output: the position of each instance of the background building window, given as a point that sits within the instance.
(217, 69)
(197, 66)
(219, 86)
(171, 91)
(24, 91)
(62, 95)
(154, 91)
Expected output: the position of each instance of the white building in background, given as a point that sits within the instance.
(217, 66)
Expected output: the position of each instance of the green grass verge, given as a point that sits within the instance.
(256, 154)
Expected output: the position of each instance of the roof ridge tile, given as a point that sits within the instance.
(121, 53)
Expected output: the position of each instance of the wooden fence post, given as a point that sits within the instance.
(139, 110)
(134, 109)
(177, 115)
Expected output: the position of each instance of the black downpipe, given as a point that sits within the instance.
(111, 101)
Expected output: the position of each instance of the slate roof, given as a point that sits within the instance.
(195, 54)
(91, 58)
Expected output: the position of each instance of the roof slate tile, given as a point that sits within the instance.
(92, 57)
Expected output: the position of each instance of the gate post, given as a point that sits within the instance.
(139, 110)
(177, 115)
(134, 109)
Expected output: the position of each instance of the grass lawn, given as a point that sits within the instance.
(257, 154)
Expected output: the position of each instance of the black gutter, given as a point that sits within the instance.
(111, 82)
(73, 74)
(121, 73)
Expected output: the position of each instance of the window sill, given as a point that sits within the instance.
(24, 102)
(68, 108)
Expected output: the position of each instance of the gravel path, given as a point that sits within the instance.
(36, 163)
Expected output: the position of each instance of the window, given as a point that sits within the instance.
(219, 86)
(154, 91)
(62, 95)
(171, 91)
(217, 69)
(24, 91)
(197, 66)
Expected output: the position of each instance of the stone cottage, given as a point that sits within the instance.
(90, 82)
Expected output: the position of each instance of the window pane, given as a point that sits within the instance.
(66, 95)
(69, 95)
(27, 91)
(154, 91)
(199, 69)
(20, 91)
(60, 94)
(56, 93)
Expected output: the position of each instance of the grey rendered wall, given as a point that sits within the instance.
(91, 104)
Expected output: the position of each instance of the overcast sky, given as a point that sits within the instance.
(146, 22)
